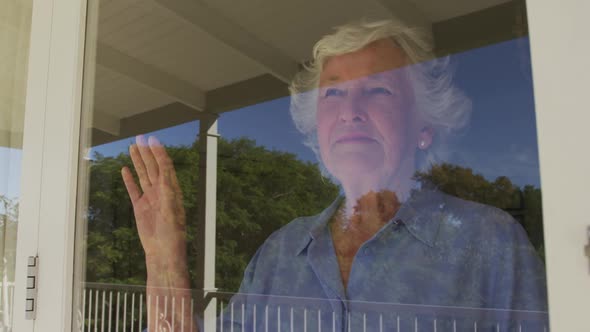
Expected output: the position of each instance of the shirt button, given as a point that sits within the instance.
(366, 251)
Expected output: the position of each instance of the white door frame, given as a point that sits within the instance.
(560, 49)
(50, 161)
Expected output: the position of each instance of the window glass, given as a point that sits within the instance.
(331, 165)
(15, 27)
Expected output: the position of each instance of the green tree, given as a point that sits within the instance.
(258, 191)
(8, 229)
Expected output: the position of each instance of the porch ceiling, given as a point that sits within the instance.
(155, 53)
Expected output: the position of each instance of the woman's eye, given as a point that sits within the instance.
(334, 92)
(379, 91)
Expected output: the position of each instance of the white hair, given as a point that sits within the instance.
(441, 105)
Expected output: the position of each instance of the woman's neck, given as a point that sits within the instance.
(368, 213)
(349, 231)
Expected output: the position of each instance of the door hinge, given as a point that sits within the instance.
(32, 280)
(587, 247)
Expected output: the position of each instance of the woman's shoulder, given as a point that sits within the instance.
(476, 212)
(460, 218)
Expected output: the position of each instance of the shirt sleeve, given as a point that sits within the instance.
(519, 278)
(239, 312)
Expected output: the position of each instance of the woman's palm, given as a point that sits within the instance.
(158, 207)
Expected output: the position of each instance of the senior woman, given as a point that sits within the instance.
(375, 107)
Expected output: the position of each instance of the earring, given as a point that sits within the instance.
(422, 144)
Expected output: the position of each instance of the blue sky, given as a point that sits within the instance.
(502, 136)
(500, 140)
(10, 170)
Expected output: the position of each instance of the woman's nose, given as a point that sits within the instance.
(351, 110)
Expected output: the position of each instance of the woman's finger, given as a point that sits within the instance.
(140, 168)
(130, 184)
(168, 176)
(165, 164)
(148, 159)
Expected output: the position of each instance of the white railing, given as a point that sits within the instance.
(108, 307)
(114, 308)
(6, 307)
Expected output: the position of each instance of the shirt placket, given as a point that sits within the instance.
(322, 259)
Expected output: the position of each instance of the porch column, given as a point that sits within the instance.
(205, 239)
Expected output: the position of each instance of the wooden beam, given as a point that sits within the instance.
(406, 12)
(159, 118)
(108, 128)
(249, 92)
(105, 122)
(478, 29)
(233, 35)
(11, 138)
(150, 76)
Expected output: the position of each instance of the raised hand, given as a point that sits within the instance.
(161, 223)
(158, 206)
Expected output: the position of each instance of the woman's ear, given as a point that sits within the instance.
(425, 138)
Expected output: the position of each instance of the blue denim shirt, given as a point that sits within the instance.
(440, 261)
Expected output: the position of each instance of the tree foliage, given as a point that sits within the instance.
(8, 229)
(258, 191)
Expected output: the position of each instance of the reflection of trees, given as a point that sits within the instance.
(8, 227)
(258, 192)
(523, 203)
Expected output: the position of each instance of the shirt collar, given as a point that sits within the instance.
(417, 214)
(318, 224)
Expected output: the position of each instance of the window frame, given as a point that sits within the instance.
(50, 162)
(52, 142)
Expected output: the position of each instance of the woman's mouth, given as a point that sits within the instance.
(354, 138)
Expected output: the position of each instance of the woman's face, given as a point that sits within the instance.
(366, 126)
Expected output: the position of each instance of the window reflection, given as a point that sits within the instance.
(418, 205)
(15, 27)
